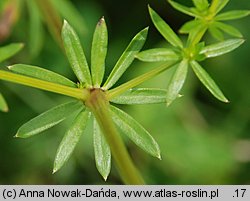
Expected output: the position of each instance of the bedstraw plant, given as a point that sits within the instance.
(94, 97)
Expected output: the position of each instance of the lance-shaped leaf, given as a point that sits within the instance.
(165, 29)
(177, 82)
(41, 73)
(71, 139)
(141, 96)
(135, 132)
(158, 54)
(126, 58)
(102, 152)
(75, 54)
(218, 5)
(201, 4)
(9, 50)
(48, 119)
(208, 82)
(232, 15)
(228, 29)
(190, 26)
(3, 104)
(99, 52)
(221, 47)
(184, 9)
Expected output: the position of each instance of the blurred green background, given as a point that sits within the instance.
(202, 140)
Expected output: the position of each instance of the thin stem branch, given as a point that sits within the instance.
(81, 94)
(138, 80)
(100, 108)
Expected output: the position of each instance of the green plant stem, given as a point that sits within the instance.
(138, 80)
(99, 105)
(81, 94)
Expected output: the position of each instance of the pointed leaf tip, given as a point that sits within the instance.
(101, 151)
(135, 132)
(164, 29)
(70, 139)
(208, 82)
(75, 54)
(99, 52)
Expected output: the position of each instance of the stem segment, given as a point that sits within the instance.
(81, 94)
(100, 108)
(138, 80)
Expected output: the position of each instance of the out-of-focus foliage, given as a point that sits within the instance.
(202, 141)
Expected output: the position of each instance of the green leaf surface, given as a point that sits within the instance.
(216, 32)
(221, 48)
(177, 81)
(201, 4)
(48, 119)
(102, 152)
(99, 52)
(141, 96)
(190, 26)
(157, 55)
(75, 54)
(208, 82)
(135, 132)
(232, 15)
(126, 58)
(183, 9)
(41, 73)
(228, 29)
(35, 29)
(9, 50)
(70, 139)
(218, 5)
(165, 29)
(3, 104)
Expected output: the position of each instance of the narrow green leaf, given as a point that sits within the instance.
(71, 14)
(158, 54)
(218, 5)
(75, 54)
(208, 82)
(190, 26)
(201, 4)
(183, 9)
(126, 58)
(102, 152)
(221, 47)
(35, 28)
(228, 29)
(48, 119)
(9, 50)
(99, 52)
(177, 81)
(71, 139)
(215, 32)
(141, 96)
(232, 15)
(135, 132)
(165, 29)
(41, 73)
(3, 104)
